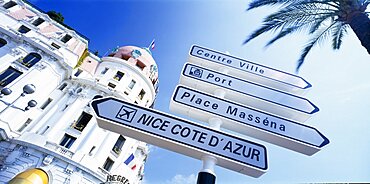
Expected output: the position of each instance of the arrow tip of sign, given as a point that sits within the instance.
(308, 85)
(325, 142)
(316, 109)
(94, 103)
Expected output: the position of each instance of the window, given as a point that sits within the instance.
(46, 103)
(111, 85)
(67, 141)
(30, 60)
(141, 94)
(55, 45)
(44, 131)
(64, 85)
(108, 164)
(147, 102)
(132, 84)
(38, 22)
(125, 56)
(118, 75)
(117, 148)
(140, 64)
(2, 42)
(25, 125)
(105, 70)
(66, 38)
(82, 121)
(9, 4)
(79, 71)
(23, 29)
(8, 76)
(136, 54)
(91, 150)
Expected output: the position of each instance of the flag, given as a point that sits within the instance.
(129, 162)
(129, 159)
(152, 45)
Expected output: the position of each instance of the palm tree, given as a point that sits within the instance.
(57, 16)
(321, 18)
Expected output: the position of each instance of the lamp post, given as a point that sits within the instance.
(27, 89)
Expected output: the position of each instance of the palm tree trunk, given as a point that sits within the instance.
(360, 24)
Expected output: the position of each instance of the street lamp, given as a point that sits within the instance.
(27, 89)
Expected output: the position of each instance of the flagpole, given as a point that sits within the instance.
(151, 45)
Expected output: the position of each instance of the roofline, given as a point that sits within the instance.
(62, 24)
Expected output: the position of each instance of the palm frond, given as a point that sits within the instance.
(338, 32)
(292, 19)
(260, 3)
(319, 22)
(297, 15)
(268, 26)
(316, 39)
(282, 33)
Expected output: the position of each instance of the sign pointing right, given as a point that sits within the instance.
(249, 70)
(248, 121)
(249, 93)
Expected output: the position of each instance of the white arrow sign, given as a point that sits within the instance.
(248, 121)
(249, 70)
(180, 135)
(248, 93)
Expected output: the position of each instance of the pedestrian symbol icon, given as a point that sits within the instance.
(126, 113)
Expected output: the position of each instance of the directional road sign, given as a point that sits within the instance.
(248, 70)
(180, 135)
(248, 93)
(248, 121)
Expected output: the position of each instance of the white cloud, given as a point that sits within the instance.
(181, 179)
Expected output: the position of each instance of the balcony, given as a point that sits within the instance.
(59, 149)
(77, 126)
(117, 150)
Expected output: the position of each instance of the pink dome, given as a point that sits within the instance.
(138, 57)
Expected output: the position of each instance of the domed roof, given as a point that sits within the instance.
(142, 54)
(138, 57)
(31, 176)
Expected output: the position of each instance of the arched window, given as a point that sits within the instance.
(2, 42)
(31, 59)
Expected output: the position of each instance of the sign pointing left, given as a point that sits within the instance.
(180, 135)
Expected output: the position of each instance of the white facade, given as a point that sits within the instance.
(59, 136)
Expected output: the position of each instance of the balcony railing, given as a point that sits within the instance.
(116, 150)
(77, 126)
(59, 149)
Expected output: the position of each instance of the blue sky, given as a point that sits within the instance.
(340, 79)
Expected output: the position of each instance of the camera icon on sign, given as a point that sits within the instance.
(196, 72)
